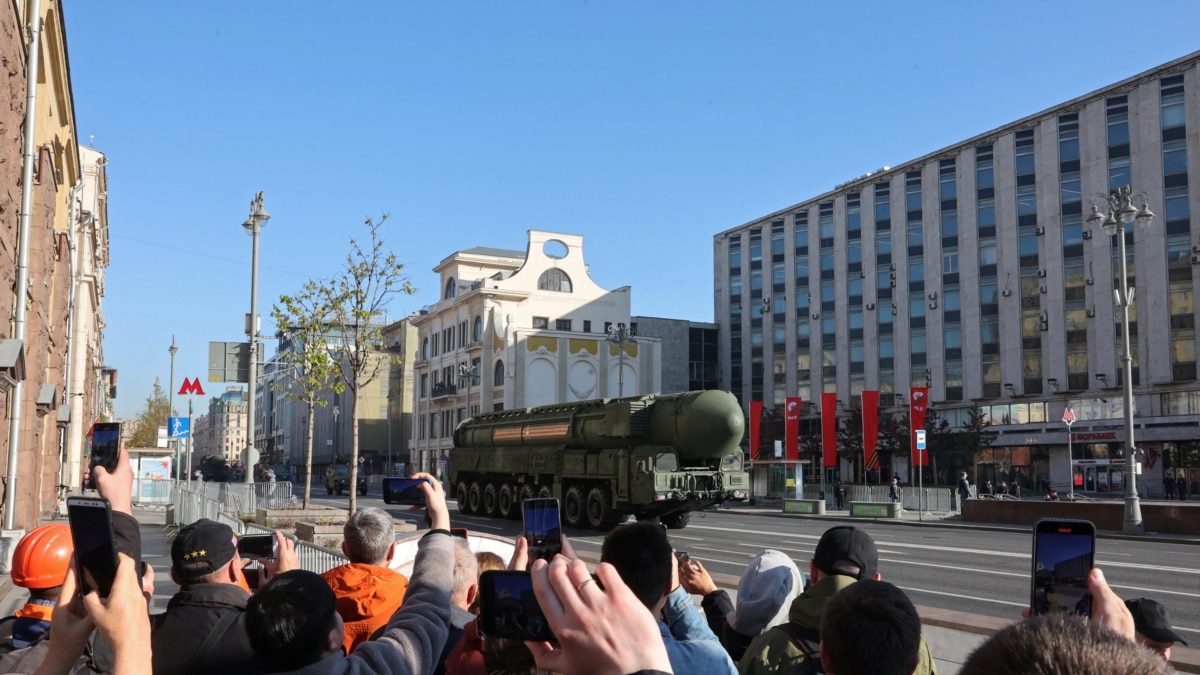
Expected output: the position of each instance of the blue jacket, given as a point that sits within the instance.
(692, 647)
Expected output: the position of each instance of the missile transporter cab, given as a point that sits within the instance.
(656, 456)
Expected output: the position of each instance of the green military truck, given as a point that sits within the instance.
(653, 457)
(337, 479)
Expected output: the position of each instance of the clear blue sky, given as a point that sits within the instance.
(647, 127)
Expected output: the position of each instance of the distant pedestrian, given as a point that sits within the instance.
(964, 486)
(988, 490)
(840, 494)
(1003, 487)
(895, 490)
(1181, 487)
(1168, 488)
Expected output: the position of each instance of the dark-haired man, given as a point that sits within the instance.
(646, 563)
(293, 624)
(870, 628)
(844, 555)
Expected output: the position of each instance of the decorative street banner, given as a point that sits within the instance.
(870, 417)
(791, 426)
(918, 404)
(179, 427)
(829, 428)
(755, 424)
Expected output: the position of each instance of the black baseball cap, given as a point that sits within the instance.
(1151, 619)
(845, 547)
(202, 548)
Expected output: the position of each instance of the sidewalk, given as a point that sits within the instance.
(942, 519)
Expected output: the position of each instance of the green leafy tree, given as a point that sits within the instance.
(941, 443)
(304, 324)
(153, 416)
(975, 436)
(850, 441)
(895, 440)
(811, 446)
(357, 298)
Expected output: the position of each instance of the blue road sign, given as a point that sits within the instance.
(179, 427)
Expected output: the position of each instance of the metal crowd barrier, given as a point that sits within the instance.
(912, 498)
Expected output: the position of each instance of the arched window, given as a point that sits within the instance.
(498, 374)
(425, 349)
(477, 329)
(554, 280)
(451, 289)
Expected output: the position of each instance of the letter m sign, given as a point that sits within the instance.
(191, 387)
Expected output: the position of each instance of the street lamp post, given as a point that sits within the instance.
(253, 225)
(388, 469)
(468, 373)
(171, 404)
(1120, 213)
(620, 336)
(336, 412)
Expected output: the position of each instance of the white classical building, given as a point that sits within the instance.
(520, 329)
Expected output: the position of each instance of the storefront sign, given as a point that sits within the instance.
(1095, 436)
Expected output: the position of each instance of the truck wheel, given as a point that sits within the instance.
(475, 498)
(528, 491)
(362, 491)
(328, 489)
(460, 494)
(507, 505)
(490, 497)
(387, 495)
(600, 515)
(546, 492)
(677, 520)
(573, 507)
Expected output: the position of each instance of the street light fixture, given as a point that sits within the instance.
(1120, 213)
(253, 225)
(620, 336)
(336, 411)
(468, 373)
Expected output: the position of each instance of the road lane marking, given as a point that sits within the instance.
(953, 567)
(1156, 591)
(959, 595)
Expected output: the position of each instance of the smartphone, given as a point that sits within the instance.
(106, 447)
(509, 609)
(543, 529)
(257, 546)
(253, 577)
(1064, 551)
(458, 532)
(685, 558)
(405, 491)
(95, 547)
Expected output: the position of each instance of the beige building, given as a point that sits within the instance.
(222, 431)
(516, 329)
(400, 339)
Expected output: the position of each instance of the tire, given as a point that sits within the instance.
(491, 498)
(340, 491)
(387, 495)
(677, 520)
(600, 515)
(362, 491)
(507, 505)
(328, 489)
(528, 491)
(475, 498)
(460, 494)
(546, 492)
(574, 508)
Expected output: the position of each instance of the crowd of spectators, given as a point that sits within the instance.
(633, 613)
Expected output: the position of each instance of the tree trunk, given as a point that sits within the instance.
(308, 454)
(353, 450)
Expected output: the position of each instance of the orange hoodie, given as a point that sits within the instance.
(367, 596)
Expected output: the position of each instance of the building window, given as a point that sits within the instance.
(587, 326)
(562, 324)
(554, 280)
(451, 289)
(541, 323)
(477, 330)
(498, 374)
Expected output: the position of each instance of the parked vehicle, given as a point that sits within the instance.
(652, 457)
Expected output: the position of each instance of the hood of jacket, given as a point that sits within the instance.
(807, 606)
(769, 585)
(366, 591)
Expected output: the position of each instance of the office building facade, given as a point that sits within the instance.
(973, 271)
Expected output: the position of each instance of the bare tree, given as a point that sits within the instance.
(358, 298)
(304, 322)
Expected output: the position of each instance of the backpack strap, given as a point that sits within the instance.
(217, 632)
(807, 639)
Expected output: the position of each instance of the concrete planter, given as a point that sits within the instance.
(814, 507)
(321, 534)
(875, 510)
(286, 518)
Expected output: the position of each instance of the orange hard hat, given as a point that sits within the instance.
(41, 558)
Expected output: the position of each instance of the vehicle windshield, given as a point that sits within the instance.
(732, 462)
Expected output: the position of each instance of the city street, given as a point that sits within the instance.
(981, 572)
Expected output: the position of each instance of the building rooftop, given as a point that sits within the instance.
(496, 252)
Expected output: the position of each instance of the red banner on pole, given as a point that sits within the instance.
(791, 426)
(829, 429)
(870, 419)
(918, 404)
(755, 425)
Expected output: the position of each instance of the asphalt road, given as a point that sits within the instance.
(976, 571)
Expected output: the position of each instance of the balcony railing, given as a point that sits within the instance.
(442, 389)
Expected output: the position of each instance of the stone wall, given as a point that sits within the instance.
(1164, 517)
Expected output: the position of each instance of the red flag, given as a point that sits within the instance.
(791, 427)
(755, 424)
(918, 404)
(829, 428)
(870, 419)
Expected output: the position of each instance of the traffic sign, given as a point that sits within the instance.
(920, 439)
(191, 387)
(179, 427)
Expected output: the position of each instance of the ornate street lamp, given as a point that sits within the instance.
(1118, 215)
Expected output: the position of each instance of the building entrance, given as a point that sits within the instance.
(1099, 475)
